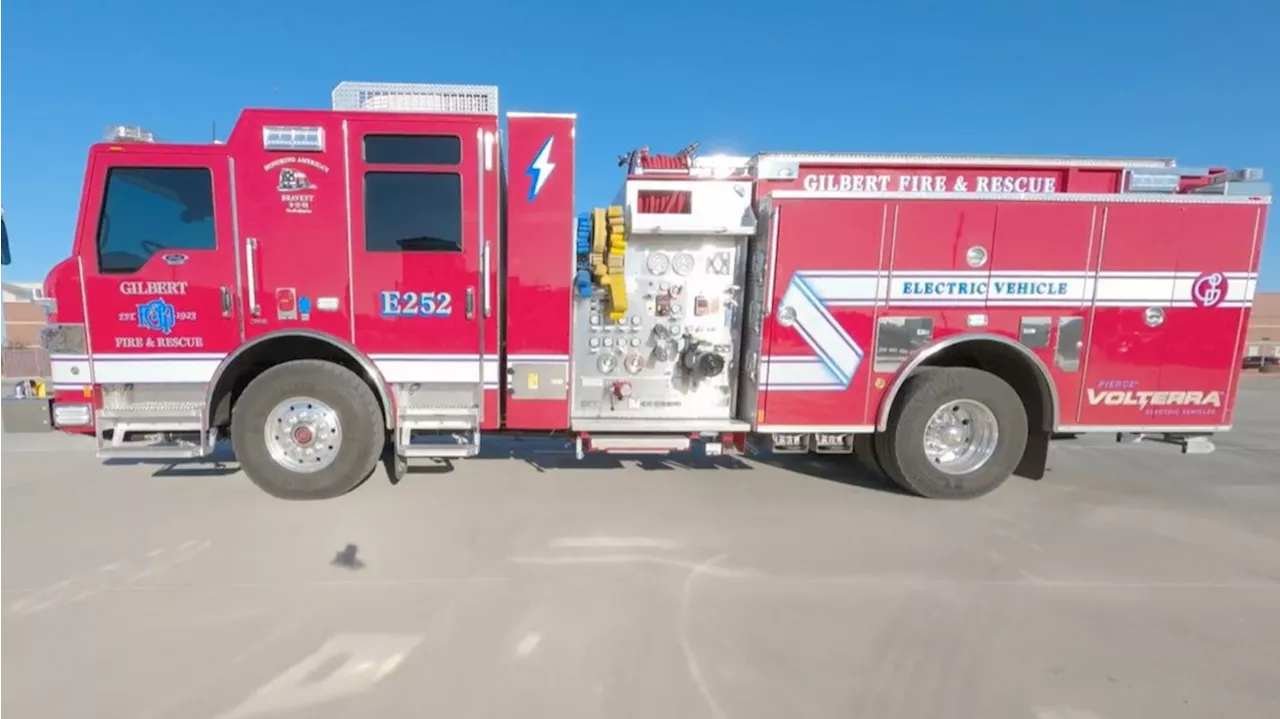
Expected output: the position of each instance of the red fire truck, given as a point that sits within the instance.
(329, 285)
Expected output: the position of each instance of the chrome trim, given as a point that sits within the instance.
(881, 158)
(84, 306)
(923, 355)
(568, 115)
(484, 270)
(1087, 335)
(251, 248)
(1143, 428)
(1136, 198)
(877, 309)
(351, 266)
(816, 428)
(235, 243)
(775, 226)
(366, 364)
(482, 243)
(1242, 328)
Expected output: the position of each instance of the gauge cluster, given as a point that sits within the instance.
(674, 353)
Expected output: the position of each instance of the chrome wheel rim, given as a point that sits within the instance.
(303, 434)
(961, 436)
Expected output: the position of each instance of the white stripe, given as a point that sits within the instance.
(836, 355)
(169, 371)
(429, 369)
(64, 371)
(959, 288)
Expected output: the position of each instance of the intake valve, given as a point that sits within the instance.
(700, 360)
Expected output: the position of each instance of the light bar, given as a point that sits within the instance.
(293, 139)
(1152, 181)
(127, 133)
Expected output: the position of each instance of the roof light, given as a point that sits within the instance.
(128, 133)
(296, 139)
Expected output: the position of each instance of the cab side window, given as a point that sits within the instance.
(151, 210)
(413, 201)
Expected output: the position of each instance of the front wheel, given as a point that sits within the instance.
(307, 429)
(956, 433)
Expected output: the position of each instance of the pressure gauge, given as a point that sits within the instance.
(683, 263)
(595, 320)
(608, 341)
(658, 263)
(635, 320)
(607, 363)
(594, 342)
(633, 363)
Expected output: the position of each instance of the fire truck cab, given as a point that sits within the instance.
(401, 272)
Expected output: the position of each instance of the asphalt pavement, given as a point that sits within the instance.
(1131, 582)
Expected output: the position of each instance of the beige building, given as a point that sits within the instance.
(1263, 335)
(23, 314)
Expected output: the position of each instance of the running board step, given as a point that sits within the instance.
(442, 451)
(435, 419)
(163, 438)
(636, 443)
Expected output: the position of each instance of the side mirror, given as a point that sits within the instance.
(4, 234)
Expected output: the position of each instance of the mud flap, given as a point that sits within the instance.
(1035, 458)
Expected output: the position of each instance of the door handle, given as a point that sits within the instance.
(484, 277)
(226, 301)
(251, 250)
(471, 303)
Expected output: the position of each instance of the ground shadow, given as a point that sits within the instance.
(221, 463)
(558, 454)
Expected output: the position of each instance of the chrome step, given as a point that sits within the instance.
(169, 444)
(635, 444)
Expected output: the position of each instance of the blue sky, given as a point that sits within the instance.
(1180, 78)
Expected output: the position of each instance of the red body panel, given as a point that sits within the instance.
(539, 260)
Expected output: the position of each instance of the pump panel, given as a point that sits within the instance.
(673, 354)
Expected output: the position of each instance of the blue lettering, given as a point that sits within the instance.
(415, 304)
(1061, 289)
(390, 303)
(981, 288)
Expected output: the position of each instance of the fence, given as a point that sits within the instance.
(24, 362)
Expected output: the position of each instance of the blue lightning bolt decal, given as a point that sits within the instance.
(540, 169)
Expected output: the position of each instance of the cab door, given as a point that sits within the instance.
(157, 253)
(417, 196)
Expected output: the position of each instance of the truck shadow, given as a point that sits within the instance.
(555, 454)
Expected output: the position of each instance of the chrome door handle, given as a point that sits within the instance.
(471, 303)
(251, 249)
(226, 301)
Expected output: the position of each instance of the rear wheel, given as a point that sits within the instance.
(307, 429)
(956, 433)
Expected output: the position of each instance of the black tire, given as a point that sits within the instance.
(363, 432)
(900, 450)
(864, 450)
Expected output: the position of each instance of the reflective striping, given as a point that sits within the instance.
(967, 288)
(811, 295)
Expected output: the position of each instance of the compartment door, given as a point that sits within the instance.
(1172, 293)
(825, 286)
(416, 197)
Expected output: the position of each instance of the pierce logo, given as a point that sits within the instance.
(1122, 398)
(1209, 289)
